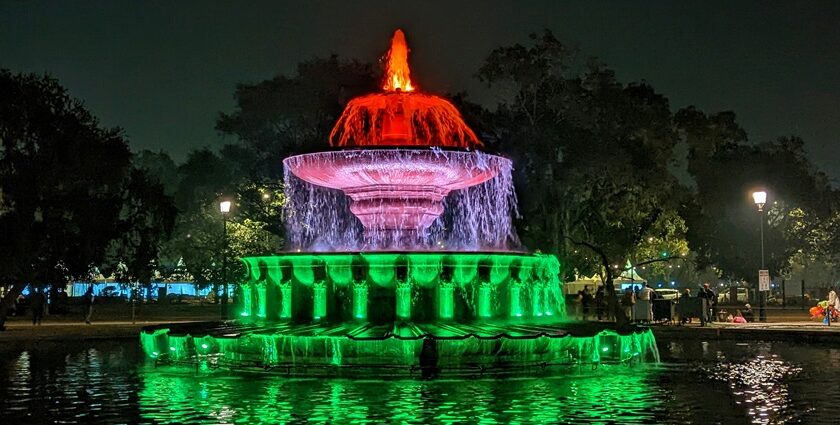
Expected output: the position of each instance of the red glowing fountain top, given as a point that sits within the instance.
(398, 191)
(401, 116)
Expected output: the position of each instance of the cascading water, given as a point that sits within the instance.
(474, 218)
(403, 258)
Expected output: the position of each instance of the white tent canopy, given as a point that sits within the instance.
(629, 275)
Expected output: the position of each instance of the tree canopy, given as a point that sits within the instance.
(67, 189)
(599, 179)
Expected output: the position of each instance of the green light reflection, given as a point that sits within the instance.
(609, 394)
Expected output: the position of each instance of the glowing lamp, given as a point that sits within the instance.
(224, 207)
(760, 199)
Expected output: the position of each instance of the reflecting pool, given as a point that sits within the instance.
(697, 382)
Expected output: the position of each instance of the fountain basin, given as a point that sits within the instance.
(397, 348)
(396, 189)
(399, 313)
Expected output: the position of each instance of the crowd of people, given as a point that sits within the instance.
(637, 302)
(38, 302)
(633, 301)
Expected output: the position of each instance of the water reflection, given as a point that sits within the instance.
(609, 394)
(759, 384)
(759, 377)
(698, 382)
(48, 383)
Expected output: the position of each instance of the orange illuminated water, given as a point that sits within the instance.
(396, 66)
(401, 115)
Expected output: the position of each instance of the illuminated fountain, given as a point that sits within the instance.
(406, 260)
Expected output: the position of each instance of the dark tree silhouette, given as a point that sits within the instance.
(591, 155)
(290, 115)
(63, 185)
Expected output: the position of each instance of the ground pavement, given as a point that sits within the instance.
(780, 325)
(803, 330)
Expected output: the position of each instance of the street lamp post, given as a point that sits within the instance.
(267, 204)
(224, 207)
(760, 199)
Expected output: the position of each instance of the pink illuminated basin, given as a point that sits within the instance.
(396, 189)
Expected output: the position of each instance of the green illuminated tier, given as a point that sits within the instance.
(399, 348)
(342, 313)
(388, 287)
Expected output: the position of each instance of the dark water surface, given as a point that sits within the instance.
(697, 382)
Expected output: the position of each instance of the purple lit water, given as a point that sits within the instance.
(476, 218)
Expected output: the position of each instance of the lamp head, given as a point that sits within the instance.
(760, 199)
(224, 207)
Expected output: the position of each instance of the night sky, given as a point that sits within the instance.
(163, 70)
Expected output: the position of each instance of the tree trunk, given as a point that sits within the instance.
(8, 302)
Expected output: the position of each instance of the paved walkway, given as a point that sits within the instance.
(794, 331)
(61, 331)
(800, 325)
(793, 325)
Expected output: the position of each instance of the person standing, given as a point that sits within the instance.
(600, 301)
(627, 302)
(837, 303)
(644, 309)
(39, 302)
(88, 299)
(685, 316)
(586, 301)
(708, 297)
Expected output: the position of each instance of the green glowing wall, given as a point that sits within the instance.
(279, 349)
(416, 286)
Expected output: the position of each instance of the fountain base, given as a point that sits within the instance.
(399, 348)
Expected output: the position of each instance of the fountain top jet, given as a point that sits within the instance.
(397, 72)
(401, 115)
